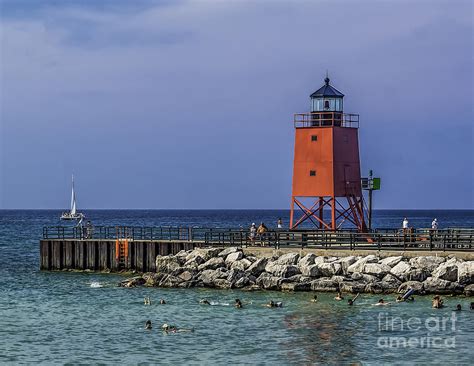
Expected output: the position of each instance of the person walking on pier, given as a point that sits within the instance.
(434, 224)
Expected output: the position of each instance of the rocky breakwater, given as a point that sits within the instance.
(231, 268)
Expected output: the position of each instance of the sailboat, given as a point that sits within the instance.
(72, 214)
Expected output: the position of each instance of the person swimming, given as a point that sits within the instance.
(351, 302)
(174, 329)
(238, 304)
(381, 302)
(472, 305)
(146, 300)
(437, 302)
(162, 302)
(204, 302)
(339, 296)
(315, 298)
(148, 325)
(458, 307)
(273, 304)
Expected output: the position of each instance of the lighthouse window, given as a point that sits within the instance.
(312, 173)
(314, 138)
(326, 104)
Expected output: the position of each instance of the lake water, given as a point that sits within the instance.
(62, 317)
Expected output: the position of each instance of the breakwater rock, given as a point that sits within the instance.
(231, 268)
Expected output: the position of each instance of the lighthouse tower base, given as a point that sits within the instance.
(348, 209)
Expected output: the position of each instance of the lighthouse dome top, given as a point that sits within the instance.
(327, 90)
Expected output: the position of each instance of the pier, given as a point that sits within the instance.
(101, 248)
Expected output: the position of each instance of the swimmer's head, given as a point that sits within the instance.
(350, 302)
(162, 301)
(148, 324)
(458, 307)
(381, 301)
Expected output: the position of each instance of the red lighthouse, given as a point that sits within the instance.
(326, 168)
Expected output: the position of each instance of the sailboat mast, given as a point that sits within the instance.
(73, 198)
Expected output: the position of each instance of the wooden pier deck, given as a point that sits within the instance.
(135, 248)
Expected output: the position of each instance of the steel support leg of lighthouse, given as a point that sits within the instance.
(348, 209)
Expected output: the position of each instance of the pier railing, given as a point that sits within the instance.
(381, 239)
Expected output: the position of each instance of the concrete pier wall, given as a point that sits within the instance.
(100, 255)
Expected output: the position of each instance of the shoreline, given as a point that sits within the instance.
(249, 269)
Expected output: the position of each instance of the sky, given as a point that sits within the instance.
(189, 104)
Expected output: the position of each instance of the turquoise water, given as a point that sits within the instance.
(57, 318)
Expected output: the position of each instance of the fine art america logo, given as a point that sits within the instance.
(432, 332)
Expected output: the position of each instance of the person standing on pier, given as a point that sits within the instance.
(280, 223)
(405, 225)
(253, 232)
(434, 224)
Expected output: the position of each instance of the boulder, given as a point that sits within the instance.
(192, 264)
(208, 276)
(311, 270)
(281, 270)
(288, 259)
(374, 288)
(417, 274)
(436, 285)
(231, 258)
(376, 269)
(324, 284)
(400, 270)
(447, 271)
(152, 279)
(212, 263)
(251, 258)
(469, 290)
(415, 285)
(268, 282)
(339, 279)
(170, 281)
(295, 286)
(429, 263)
(307, 260)
(358, 266)
(234, 275)
(223, 254)
(466, 273)
(352, 286)
(243, 264)
(242, 282)
(133, 282)
(186, 276)
(166, 264)
(391, 261)
(329, 269)
(392, 280)
(346, 262)
(181, 256)
(320, 259)
(187, 284)
(222, 283)
(363, 277)
(257, 267)
(203, 253)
